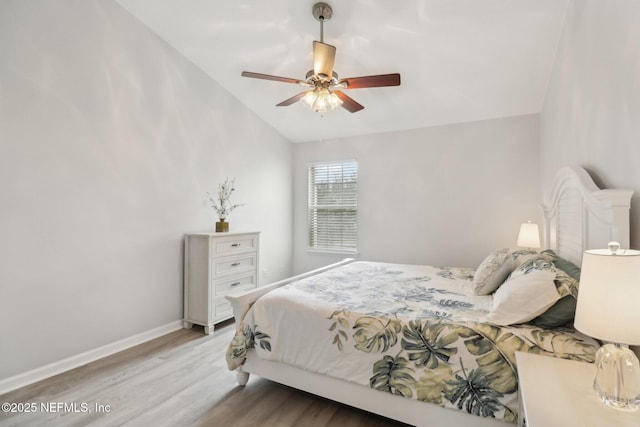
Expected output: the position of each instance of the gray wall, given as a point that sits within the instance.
(591, 115)
(109, 140)
(445, 195)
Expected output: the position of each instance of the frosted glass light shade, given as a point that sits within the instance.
(321, 99)
(529, 236)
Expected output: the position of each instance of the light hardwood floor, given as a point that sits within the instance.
(180, 379)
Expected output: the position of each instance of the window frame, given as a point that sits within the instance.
(332, 249)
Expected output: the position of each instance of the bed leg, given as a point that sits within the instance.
(242, 377)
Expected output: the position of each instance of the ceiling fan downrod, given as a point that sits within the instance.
(322, 12)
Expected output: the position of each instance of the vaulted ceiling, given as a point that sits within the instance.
(460, 60)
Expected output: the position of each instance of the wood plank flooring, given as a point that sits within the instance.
(180, 379)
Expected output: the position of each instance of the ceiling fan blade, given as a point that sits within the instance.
(372, 81)
(292, 100)
(324, 56)
(348, 103)
(274, 78)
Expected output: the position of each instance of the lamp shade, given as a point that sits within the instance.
(609, 296)
(529, 236)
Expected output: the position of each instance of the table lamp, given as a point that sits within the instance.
(529, 236)
(608, 309)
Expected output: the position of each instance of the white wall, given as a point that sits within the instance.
(591, 115)
(444, 195)
(109, 140)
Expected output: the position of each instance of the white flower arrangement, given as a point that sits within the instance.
(222, 203)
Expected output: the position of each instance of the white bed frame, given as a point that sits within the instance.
(578, 215)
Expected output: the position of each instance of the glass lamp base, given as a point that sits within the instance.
(617, 381)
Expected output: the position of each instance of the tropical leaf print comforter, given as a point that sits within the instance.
(413, 331)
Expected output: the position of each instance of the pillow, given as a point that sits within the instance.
(528, 292)
(496, 267)
(492, 272)
(567, 282)
(559, 314)
(520, 256)
(567, 266)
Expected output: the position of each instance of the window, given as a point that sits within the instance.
(333, 201)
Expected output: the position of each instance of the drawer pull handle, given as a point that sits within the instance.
(235, 245)
(235, 264)
(235, 283)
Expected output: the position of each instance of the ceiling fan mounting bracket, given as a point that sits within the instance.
(322, 12)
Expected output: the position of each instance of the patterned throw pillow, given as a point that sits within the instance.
(520, 256)
(496, 267)
(528, 292)
(570, 268)
(492, 272)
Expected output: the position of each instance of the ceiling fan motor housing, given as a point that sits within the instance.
(313, 79)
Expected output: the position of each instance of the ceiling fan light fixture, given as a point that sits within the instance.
(321, 100)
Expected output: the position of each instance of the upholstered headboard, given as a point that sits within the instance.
(580, 216)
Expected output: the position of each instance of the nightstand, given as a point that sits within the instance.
(559, 392)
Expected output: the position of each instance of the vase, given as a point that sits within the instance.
(222, 226)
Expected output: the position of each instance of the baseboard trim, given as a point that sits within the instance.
(55, 368)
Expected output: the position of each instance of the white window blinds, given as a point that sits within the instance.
(333, 202)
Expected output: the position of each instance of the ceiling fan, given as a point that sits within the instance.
(323, 80)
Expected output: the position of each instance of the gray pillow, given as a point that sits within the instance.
(568, 267)
(559, 314)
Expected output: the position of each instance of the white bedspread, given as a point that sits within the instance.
(403, 329)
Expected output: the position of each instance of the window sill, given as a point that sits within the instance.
(329, 252)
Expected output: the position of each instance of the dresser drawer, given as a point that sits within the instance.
(234, 245)
(222, 308)
(234, 265)
(235, 284)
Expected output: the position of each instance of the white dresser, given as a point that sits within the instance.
(216, 265)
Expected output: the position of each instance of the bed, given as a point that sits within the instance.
(430, 345)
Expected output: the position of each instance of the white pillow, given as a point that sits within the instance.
(492, 271)
(528, 292)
